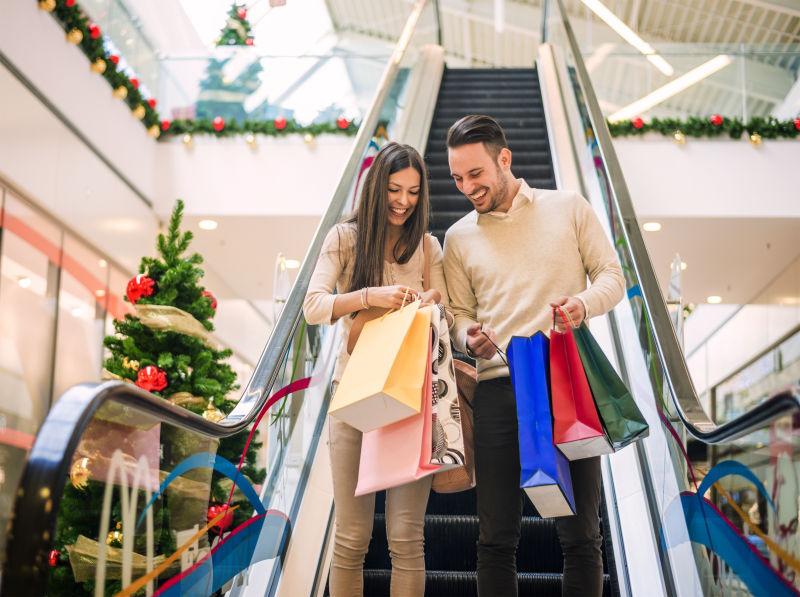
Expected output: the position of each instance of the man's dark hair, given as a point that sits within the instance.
(478, 128)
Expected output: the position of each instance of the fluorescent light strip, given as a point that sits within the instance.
(629, 36)
(674, 87)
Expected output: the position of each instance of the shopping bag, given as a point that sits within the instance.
(544, 471)
(461, 478)
(382, 383)
(447, 433)
(577, 430)
(399, 453)
(621, 418)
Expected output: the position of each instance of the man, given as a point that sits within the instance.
(521, 252)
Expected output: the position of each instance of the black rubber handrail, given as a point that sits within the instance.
(33, 523)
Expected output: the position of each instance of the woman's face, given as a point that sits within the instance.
(403, 195)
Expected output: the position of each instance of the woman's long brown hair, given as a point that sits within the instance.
(372, 216)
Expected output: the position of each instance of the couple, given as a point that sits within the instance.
(504, 266)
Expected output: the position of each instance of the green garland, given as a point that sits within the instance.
(258, 127)
(694, 126)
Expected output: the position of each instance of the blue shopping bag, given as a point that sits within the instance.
(544, 470)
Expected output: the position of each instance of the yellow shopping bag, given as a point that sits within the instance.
(384, 378)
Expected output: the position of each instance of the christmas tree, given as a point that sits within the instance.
(237, 31)
(164, 348)
(221, 97)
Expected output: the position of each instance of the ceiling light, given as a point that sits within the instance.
(683, 266)
(102, 263)
(292, 264)
(674, 87)
(714, 299)
(207, 224)
(629, 36)
(24, 282)
(651, 226)
(100, 293)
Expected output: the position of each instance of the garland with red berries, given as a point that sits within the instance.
(81, 31)
(713, 126)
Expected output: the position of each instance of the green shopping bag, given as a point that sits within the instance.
(618, 412)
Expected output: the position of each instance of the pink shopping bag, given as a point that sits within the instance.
(401, 452)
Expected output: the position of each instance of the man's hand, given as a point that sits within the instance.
(478, 344)
(574, 309)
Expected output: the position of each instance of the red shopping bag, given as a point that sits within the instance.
(577, 430)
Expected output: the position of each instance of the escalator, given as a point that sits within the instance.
(671, 526)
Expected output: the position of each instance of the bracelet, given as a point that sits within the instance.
(366, 296)
(363, 302)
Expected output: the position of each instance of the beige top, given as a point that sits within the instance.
(335, 267)
(503, 269)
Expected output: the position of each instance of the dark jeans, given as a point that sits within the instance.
(500, 503)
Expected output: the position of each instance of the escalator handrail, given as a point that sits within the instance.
(33, 523)
(668, 350)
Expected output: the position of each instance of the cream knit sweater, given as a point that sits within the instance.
(503, 269)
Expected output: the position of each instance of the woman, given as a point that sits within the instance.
(376, 259)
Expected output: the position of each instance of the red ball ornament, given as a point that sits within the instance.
(242, 12)
(165, 125)
(135, 82)
(152, 103)
(342, 122)
(212, 298)
(114, 59)
(637, 123)
(280, 123)
(94, 31)
(225, 522)
(151, 378)
(716, 120)
(53, 558)
(249, 41)
(218, 123)
(139, 287)
(69, 3)
(797, 124)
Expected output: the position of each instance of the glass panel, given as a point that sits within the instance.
(31, 251)
(82, 305)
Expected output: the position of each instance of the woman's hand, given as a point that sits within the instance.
(430, 297)
(390, 297)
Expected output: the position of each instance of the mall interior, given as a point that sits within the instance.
(169, 170)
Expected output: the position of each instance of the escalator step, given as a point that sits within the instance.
(524, 158)
(531, 132)
(443, 583)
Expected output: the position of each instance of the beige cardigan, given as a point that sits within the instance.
(335, 267)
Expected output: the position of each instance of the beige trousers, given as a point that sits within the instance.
(405, 516)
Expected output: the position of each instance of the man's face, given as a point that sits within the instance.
(481, 177)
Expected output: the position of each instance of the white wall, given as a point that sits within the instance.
(711, 178)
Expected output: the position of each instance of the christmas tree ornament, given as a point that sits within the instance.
(242, 12)
(129, 364)
(120, 92)
(74, 36)
(187, 140)
(309, 139)
(151, 378)
(94, 31)
(47, 5)
(69, 3)
(152, 103)
(280, 123)
(139, 112)
(679, 137)
(115, 537)
(53, 557)
(154, 131)
(218, 123)
(79, 473)
(637, 123)
(755, 139)
(212, 413)
(249, 41)
(139, 287)
(716, 120)
(99, 66)
(210, 297)
(114, 59)
(135, 82)
(250, 139)
(797, 124)
(165, 124)
(342, 122)
(226, 521)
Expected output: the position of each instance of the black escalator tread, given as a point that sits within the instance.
(439, 158)
(445, 583)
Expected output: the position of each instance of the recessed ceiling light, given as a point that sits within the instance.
(714, 299)
(651, 226)
(102, 263)
(208, 224)
(24, 282)
(292, 264)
